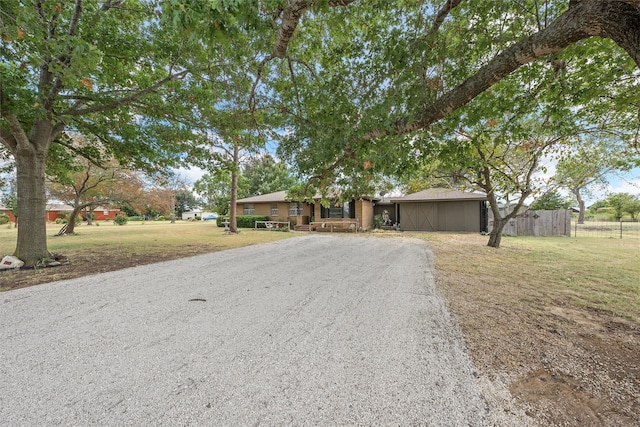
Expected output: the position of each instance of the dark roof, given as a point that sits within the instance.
(440, 195)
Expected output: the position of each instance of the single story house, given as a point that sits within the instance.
(442, 209)
(435, 209)
(354, 213)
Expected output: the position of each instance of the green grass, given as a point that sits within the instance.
(141, 237)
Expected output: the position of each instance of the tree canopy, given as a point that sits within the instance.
(360, 88)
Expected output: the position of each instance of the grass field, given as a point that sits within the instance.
(590, 272)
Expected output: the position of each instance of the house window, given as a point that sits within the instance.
(295, 209)
(249, 209)
(339, 210)
(274, 209)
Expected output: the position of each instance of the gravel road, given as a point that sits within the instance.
(314, 330)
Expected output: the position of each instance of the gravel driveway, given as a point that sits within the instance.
(315, 330)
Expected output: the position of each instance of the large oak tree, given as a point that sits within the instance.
(105, 69)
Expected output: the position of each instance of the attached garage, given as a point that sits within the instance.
(440, 209)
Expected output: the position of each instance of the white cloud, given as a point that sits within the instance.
(190, 175)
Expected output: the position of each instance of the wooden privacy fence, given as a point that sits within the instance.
(538, 223)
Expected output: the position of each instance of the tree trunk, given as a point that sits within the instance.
(233, 225)
(31, 246)
(71, 224)
(496, 232)
(581, 205)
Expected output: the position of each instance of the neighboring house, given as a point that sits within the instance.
(8, 212)
(191, 215)
(442, 209)
(204, 216)
(54, 211)
(101, 213)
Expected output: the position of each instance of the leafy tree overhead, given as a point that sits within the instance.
(110, 69)
(412, 64)
(360, 83)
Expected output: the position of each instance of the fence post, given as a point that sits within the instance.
(621, 228)
(576, 232)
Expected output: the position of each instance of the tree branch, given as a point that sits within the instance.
(442, 15)
(586, 19)
(128, 99)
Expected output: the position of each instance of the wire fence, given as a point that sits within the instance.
(606, 229)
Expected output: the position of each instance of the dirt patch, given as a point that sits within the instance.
(565, 365)
(84, 264)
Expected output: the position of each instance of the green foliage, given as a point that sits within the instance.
(264, 175)
(128, 209)
(185, 201)
(63, 218)
(4, 219)
(377, 221)
(243, 221)
(120, 219)
(551, 200)
(622, 203)
(89, 216)
(135, 218)
(215, 190)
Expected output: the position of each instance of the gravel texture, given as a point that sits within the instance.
(315, 330)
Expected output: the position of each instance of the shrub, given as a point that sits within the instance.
(120, 219)
(243, 221)
(64, 218)
(4, 219)
(135, 218)
(160, 218)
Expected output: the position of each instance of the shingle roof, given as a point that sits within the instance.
(278, 196)
(439, 195)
